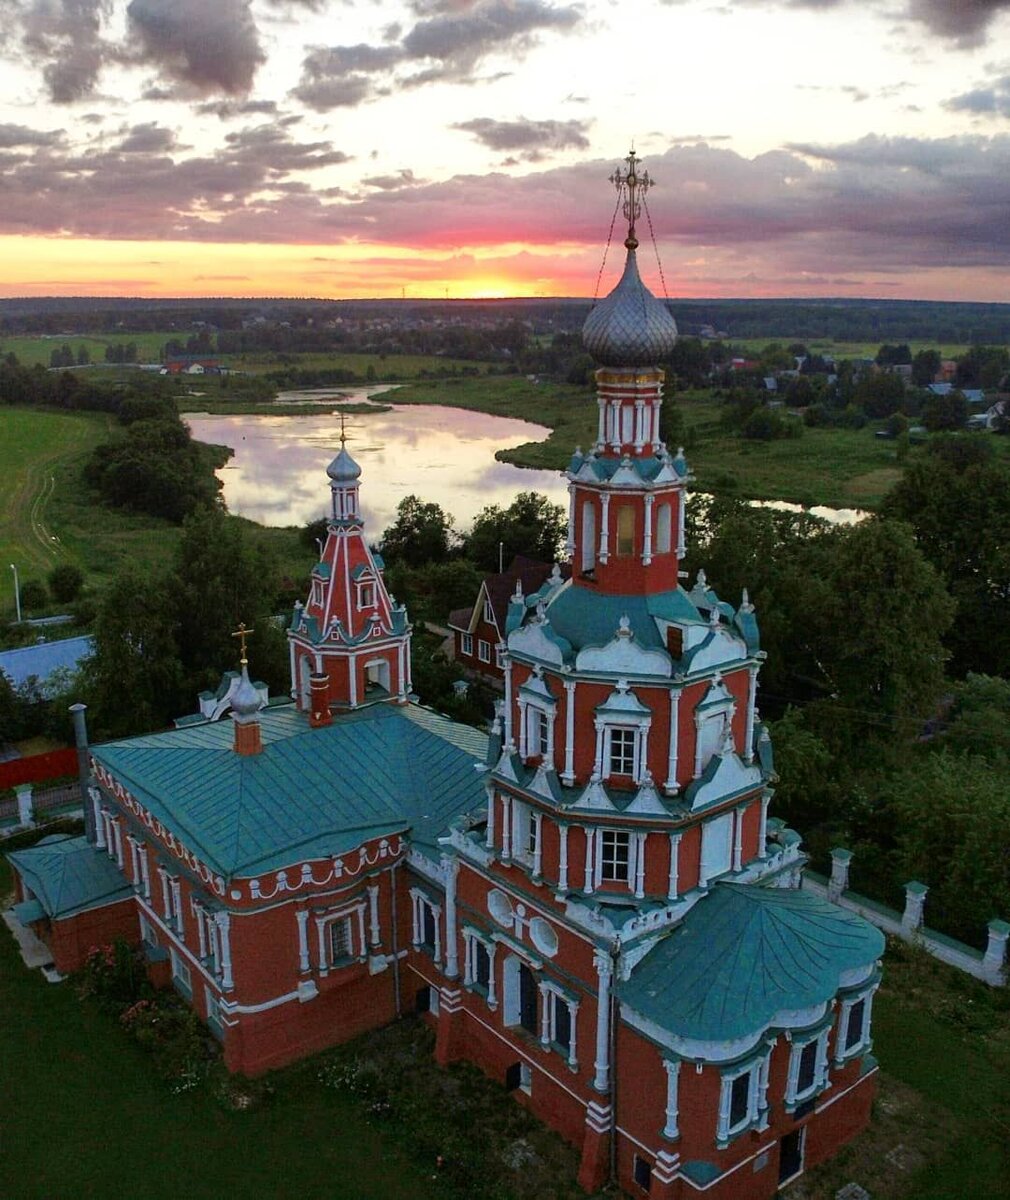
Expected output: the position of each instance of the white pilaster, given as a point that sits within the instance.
(681, 522)
(650, 501)
(509, 741)
(545, 1016)
(563, 859)
(374, 935)
(450, 868)
(671, 767)
(763, 832)
(598, 763)
(640, 839)
(224, 930)
(748, 741)
(506, 826)
(588, 831)
(673, 885)
(738, 815)
(570, 543)
(568, 774)
(492, 994)
(302, 917)
(639, 423)
(671, 1129)
(601, 1065)
(489, 839)
(605, 525)
(96, 802)
(538, 826)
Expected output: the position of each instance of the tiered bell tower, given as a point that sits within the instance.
(350, 641)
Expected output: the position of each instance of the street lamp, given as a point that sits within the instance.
(17, 592)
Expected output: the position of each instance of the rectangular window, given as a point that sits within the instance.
(147, 933)
(538, 732)
(626, 530)
(614, 856)
(481, 965)
(561, 1022)
(180, 972)
(466, 644)
(622, 751)
(807, 1075)
(739, 1101)
(366, 595)
(488, 612)
(484, 650)
(429, 927)
(528, 1000)
(213, 1008)
(499, 657)
(341, 941)
(643, 1173)
(854, 1025)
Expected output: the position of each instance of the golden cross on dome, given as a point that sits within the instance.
(636, 183)
(343, 429)
(243, 633)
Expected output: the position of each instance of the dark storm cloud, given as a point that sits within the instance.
(991, 99)
(207, 45)
(531, 139)
(448, 43)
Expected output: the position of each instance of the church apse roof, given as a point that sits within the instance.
(744, 954)
(311, 792)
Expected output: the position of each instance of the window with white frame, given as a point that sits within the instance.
(147, 932)
(340, 939)
(522, 995)
(614, 856)
(738, 1101)
(426, 933)
(711, 736)
(808, 1067)
(180, 972)
(623, 747)
(663, 529)
(366, 595)
(483, 650)
(466, 644)
(853, 1026)
(525, 833)
(488, 612)
(537, 732)
(478, 969)
(213, 1005)
(716, 847)
(499, 657)
(560, 1013)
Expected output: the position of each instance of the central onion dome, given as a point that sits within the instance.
(630, 328)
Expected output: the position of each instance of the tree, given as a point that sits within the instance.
(65, 583)
(531, 525)
(891, 356)
(83, 357)
(133, 680)
(947, 412)
(34, 595)
(421, 533)
(925, 366)
(880, 395)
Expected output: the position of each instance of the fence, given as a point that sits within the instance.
(36, 768)
(989, 965)
(30, 804)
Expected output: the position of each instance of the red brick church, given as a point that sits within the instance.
(591, 903)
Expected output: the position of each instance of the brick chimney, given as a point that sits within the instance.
(319, 701)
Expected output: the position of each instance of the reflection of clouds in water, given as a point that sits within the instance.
(278, 473)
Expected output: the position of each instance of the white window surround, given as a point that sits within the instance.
(180, 970)
(527, 835)
(553, 996)
(844, 1052)
(355, 914)
(716, 847)
(639, 723)
(471, 941)
(466, 643)
(483, 650)
(366, 594)
(419, 902)
(800, 1044)
(636, 859)
(756, 1072)
(147, 931)
(213, 1006)
(488, 612)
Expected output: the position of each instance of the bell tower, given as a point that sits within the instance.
(350, 640)
(626, 509)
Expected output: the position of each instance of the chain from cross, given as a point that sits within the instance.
(242, 633)
(636, 183)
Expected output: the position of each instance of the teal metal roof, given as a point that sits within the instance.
(587, 618)
(745, 953)
(68, 875)
(311, 792)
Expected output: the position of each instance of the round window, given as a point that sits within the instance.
(543, 937)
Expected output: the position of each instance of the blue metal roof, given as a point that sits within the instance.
(68, 875)
(745, 953)
(43, 659)
(311, 792)
(585, 618)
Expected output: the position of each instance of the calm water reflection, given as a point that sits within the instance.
(278, 473)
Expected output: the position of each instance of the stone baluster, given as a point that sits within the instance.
(915, 902)
(839, 881)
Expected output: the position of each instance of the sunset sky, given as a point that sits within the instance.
(462, 147)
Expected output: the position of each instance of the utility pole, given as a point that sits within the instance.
(17, 593)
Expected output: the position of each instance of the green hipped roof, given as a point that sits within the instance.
(743, 954)
(587, 618)
(68, 875)
(311, 792)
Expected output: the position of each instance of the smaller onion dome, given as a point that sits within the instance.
(630, 327)
(245, 700)
(343, 469)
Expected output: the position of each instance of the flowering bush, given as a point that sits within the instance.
(114, 975)
(178, 1042)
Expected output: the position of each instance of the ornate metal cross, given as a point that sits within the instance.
(242, 633)
(636, 183)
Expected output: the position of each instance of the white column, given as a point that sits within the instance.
(639, 423)
(117, 835)
(915, 901)
(673, 885)
(615, 419)
(489, 839)
(598, 764)
(177, 903)
(681, 522)
(324, 958)
(738, 815)
(671, 1128)
(545, 1016)
(352, 675)
(26, 816)
(588, 831)
(166, 896)
(302, 917)
(654, 433)
(764, 1071)
(671, 768)
(568, 775)
(650, 501)
(99, 824)
(468, 953)
(294, 678)
(374, 936)
(523, 738)
(538, 825)
(763, 831)
(506, 826)
(601, 430)
(224, 929)
(640, 840)
(134, 861)
(492, 994)
(573, 1015)
(748, 737)
(604, 527)
(509, 742)
(601, 1080)
(570, 543)
(642, 754)
(697, 747)
(360, 912)
(563, 859)
(145, 872)
(451, 869)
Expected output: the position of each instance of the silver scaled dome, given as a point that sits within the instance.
(245, 699)
(343, 469)
(630, 328)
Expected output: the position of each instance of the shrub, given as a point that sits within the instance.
(180, 1046)
(34, 594)
(65, 583)
(767, 425)
(114, 975)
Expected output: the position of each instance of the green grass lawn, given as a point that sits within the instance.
(38, 350)
(384, 366)
(828, 346)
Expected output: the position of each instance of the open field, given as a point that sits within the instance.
(37, 349)
(382, 366)
(847, 349)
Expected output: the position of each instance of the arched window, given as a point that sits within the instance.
(626, 530)
(588, 535)
(663, 529)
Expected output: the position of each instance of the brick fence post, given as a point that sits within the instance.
(994, 962)
(839, 881)
(915, 901)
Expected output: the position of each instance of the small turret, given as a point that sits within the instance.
(245, 705)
